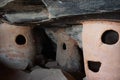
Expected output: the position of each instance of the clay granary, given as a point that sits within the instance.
(59, 39)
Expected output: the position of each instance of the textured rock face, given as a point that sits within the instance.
(4, 2)
(101, 50)
(22, 17)
(47, 74)
(36, 74)
(61, 8)
(75, 32)
(16, 46)
(15, 11)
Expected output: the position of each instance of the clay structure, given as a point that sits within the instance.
(16, 46)
(101, 50)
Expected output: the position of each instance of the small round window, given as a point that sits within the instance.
(20, 40)
(110, 37)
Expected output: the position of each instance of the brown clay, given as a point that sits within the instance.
(67, 52)
(101, 47)
(16, 46)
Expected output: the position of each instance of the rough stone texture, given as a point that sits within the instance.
(22, 17)
(4, 2)
(75, 32)
(13, 11)
(23, 11)
(52, 64)
(61, 8)
(97, 51)
(36, 74)
(48, 74)
(16, 46)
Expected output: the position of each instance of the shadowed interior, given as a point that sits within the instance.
(94, 65)
(20, 40)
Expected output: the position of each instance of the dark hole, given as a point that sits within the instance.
(49, 47)
(94, 66)
(110, 37)
(64, 46)
(20, 40)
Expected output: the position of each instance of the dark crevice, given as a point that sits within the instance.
(45, 47)
(82, 69)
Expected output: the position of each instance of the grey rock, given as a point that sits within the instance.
(50, 32)
(52, 64)
(75, 32)
(47, 74)
(85, 78)
(26, 16)
(4, 2)
(61, 8)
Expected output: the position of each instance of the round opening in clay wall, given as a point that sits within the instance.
(20, 40)
(64, 46)
(110, 37)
